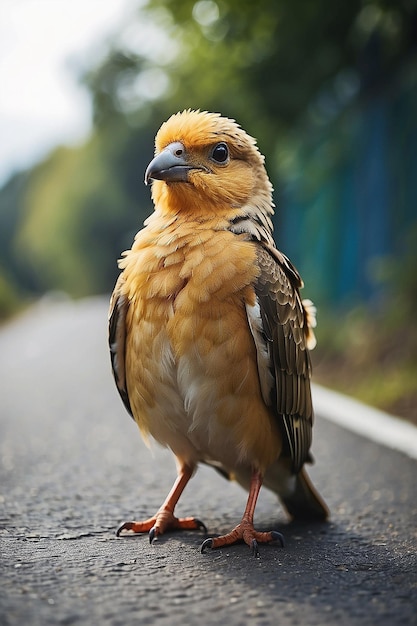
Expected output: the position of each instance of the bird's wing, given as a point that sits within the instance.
(117, 340)
(279, 325)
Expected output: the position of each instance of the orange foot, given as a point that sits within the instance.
(160, 523)
(244, 532)
(165, 518)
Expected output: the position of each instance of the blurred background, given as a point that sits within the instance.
(328, 87)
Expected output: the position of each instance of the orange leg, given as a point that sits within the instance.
(165, 518)
(245, 531)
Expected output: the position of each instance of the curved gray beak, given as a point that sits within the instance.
(170, 165)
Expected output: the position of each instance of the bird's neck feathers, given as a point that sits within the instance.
(245, 206)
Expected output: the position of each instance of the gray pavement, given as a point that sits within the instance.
(73, 466)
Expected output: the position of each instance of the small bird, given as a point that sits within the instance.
(208, 335)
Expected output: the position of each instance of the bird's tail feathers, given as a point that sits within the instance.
(297, 493)
(304, 503)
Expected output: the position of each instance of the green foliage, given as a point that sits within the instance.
(372, 357)
(262, 62)
(10, 299)
(80, 208)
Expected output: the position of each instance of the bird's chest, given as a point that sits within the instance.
(193, 289)
(188, 344)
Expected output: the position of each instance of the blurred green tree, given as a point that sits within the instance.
(79, 211)
(263, 63)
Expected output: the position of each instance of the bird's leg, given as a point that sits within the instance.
(245, 531)
(165, 518)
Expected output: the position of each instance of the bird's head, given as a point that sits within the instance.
(205, 162)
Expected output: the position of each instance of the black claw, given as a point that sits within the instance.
(276, 536)
(207, 543)
(201, 525)
(152, 534)
(120, 529)
(254, 548)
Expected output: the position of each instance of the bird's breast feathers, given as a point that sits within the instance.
(191, 361)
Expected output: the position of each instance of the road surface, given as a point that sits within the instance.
(73, 466)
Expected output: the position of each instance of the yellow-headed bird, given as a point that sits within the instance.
(209, 337)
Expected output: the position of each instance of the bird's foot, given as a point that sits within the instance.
(161, 522)
(244, 532)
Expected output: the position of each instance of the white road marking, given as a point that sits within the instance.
(366, 421)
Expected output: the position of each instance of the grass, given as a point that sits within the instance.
(371, 358)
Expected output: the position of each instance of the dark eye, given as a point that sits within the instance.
(220, 153)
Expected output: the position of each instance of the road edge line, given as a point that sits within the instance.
(365, 421)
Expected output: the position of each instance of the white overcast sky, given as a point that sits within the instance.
(41, 42)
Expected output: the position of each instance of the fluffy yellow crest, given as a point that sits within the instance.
(199, 128)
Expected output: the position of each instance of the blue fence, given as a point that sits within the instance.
(349, 198)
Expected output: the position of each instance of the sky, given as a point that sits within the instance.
(43, 44)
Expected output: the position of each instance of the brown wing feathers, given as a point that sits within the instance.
(284, 323)
(117, 340)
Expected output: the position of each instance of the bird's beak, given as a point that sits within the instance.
(170, 165)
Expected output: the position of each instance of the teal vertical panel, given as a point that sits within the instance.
(372, 191)
(351, 197)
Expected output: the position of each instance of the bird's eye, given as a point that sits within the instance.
(220, 153)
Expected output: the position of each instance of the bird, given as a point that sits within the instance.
(209, 337)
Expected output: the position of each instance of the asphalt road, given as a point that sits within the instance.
(73, 466)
